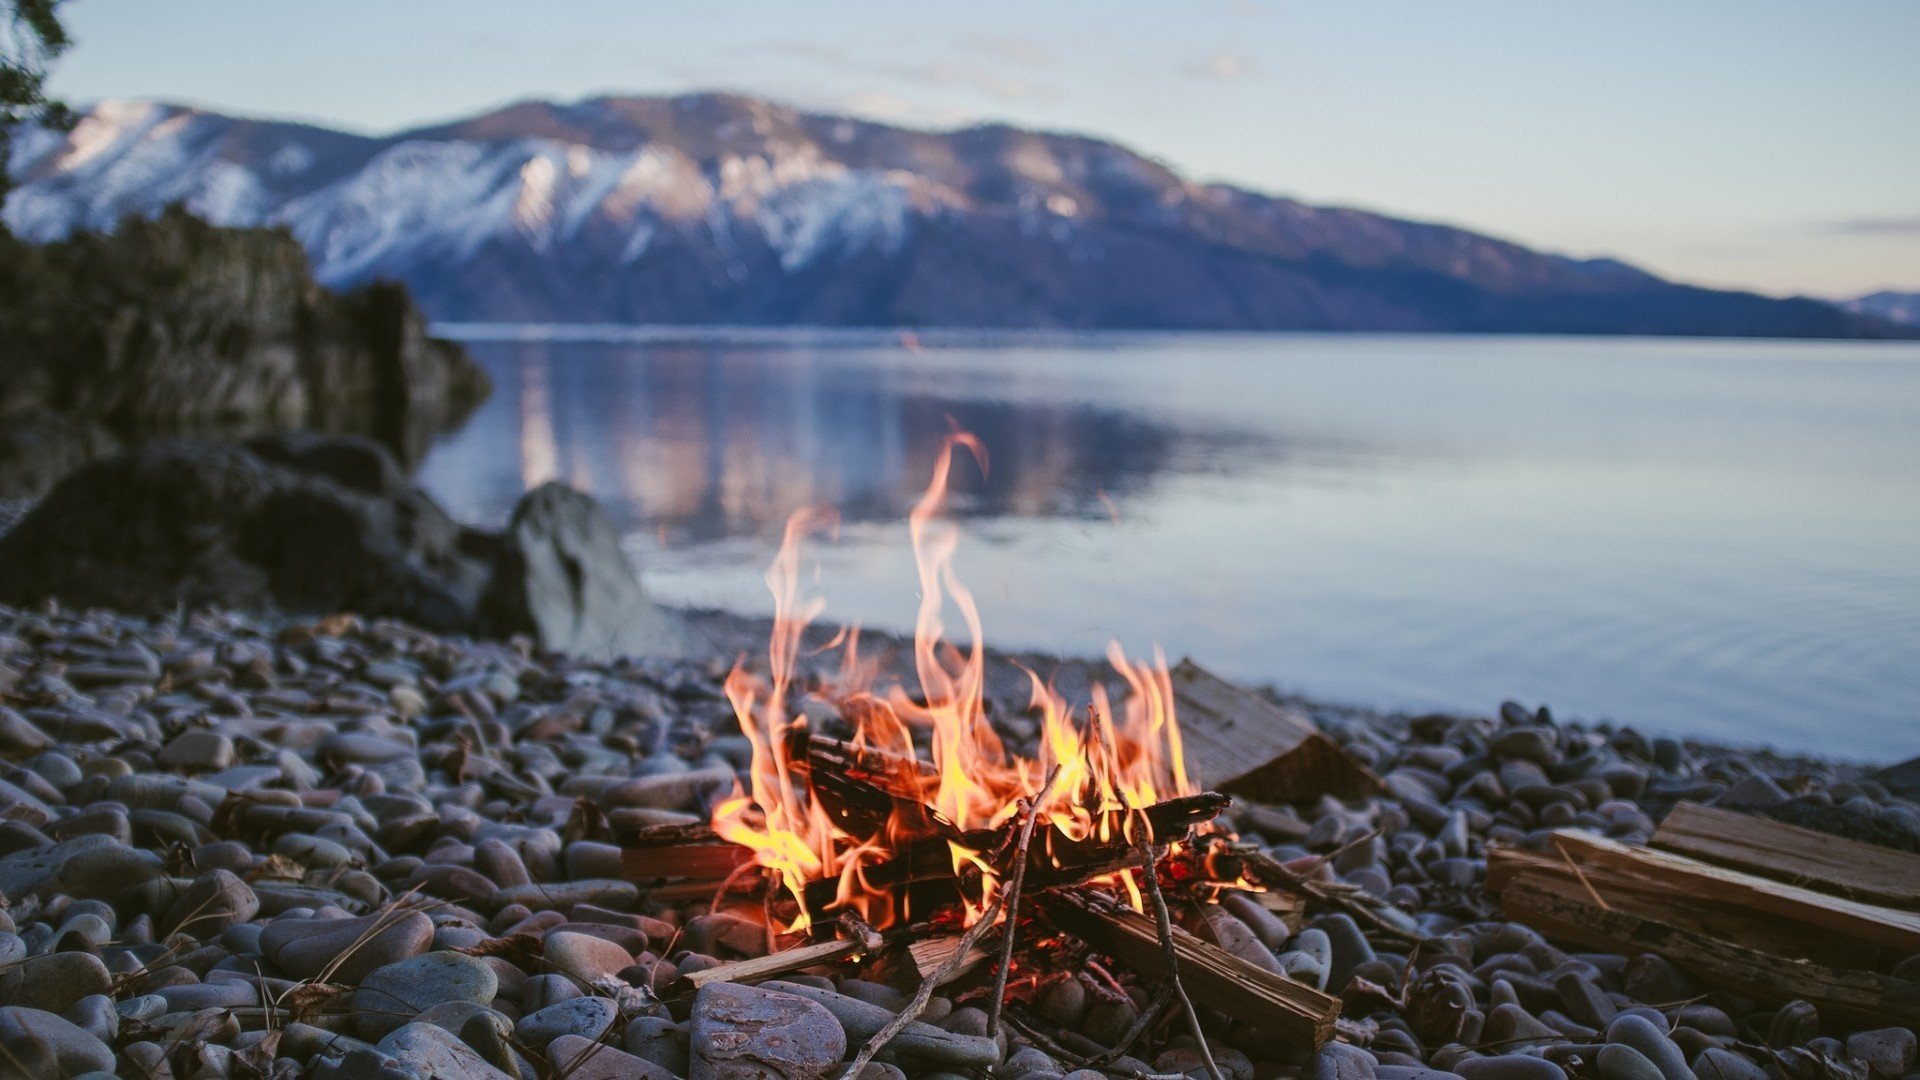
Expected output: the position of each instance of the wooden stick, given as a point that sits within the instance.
(921, 996)
(1149, 868)
(773, 965)
(1292, 1011)
(1361, 906)
(1773, 849)
(1029, 814)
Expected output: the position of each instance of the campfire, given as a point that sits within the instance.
(886, 826)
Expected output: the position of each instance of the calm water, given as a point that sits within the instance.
(1711, 538)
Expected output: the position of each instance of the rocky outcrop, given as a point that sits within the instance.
(293, 523)
(562, 577)
(174, 324)
(308, 524)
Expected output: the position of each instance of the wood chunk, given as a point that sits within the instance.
(1560, 907)
(930, 953)
(1293, 1012)
(679, 851)
(1774, 849)
(1774, 916)
(773, 965)
(1238, 742)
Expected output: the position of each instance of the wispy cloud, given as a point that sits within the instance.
(1877, 226)
(938, 75)
(1224, 67)
(894, 109)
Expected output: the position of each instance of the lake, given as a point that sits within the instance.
(1710, 538)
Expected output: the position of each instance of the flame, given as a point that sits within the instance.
(965, 782)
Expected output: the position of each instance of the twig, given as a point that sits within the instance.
(952, 963)
(1032, 814)
(1140, 1025)
(920, 998)
(1164, 922)
(1581, 874)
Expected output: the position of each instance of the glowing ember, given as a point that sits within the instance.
(967, 778)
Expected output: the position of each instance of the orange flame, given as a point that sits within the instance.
(1131, 759)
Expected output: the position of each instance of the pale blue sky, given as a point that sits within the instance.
(1762, 143)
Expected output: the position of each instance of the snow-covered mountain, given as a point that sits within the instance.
(713, 208)
(1894, 307)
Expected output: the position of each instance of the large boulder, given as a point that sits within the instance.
(39, 446)
(298, 524)
(309, 525)
(562, 577)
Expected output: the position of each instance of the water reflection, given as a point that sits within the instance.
(1711, 538)
(706, 441)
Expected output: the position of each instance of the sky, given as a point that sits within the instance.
(1767, 144)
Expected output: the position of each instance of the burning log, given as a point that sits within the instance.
(1214, 978)
(680, 851)
(1224, 728)
(1758, 937)
(1774, 849)
(1060, 861)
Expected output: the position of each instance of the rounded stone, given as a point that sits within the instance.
(584, 956)
(392, 996)
(44, 1044)
(590, 1017)
(750, 1033)
(352, 948)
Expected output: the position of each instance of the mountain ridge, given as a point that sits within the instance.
(722, 208)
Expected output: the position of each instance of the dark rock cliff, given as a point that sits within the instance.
(175, 324)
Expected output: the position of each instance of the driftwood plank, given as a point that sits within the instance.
(1774, 849)
(1240, 743)
(1561, 908)
(1293, 1012)
(1650, 877)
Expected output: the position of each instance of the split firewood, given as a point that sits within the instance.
(933, 957)
(1241, 743)
(771, 966)
(1297, 1013)
(1774, 849)
(1059, 861)
(1772, 916)
(679, 851)
(1562, 908)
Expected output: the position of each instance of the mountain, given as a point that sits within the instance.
(1894, 307)
(715, 208)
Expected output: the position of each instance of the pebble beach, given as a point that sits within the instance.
(239, 847)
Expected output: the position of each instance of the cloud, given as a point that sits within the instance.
(1224, 67)
(935, 75)
(1249, 9)
(1885, 226)
(894, 109)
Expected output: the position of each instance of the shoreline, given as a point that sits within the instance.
(265, 795)
(732, 633)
